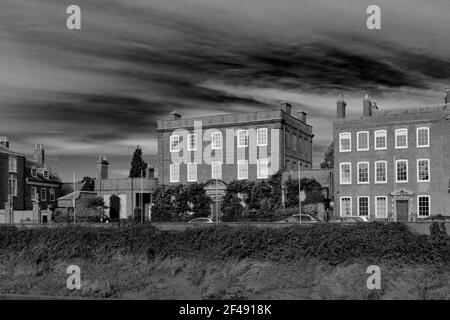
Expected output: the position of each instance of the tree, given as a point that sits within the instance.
(89, 184)
(137, 164)
(328, 158)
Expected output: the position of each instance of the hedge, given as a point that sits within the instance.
(332, 243)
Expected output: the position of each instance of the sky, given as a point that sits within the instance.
(101, 89)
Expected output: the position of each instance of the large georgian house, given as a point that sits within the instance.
(393, 164)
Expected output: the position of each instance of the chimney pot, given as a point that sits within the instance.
(302, 116)
(367, 106)
(102, 167)
(39, 154)
(4, 142)
(174, 115)
(340, 103)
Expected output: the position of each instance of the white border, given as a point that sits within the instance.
(429, 205)
(417, 137)
(407, 171)
(368, 206)
(357, 141)
(340, 141)
(368, 172)
(376, 207)
(189, 142)
(189, 164)
(340, 173)
(375, 135)
(375, 171)
(417, 170)
(351, 206)
(171, 173)
(397, 134)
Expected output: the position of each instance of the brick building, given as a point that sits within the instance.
(133, 192)
(27, 178)
(227, 147)
(392, 164)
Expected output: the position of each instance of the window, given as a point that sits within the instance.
(346, 206)
(345, 142)
(12, 186)
(401, 167)
(216, 170)
(363, 172)
(381, 207)
(13, 165)
(45, 174)
(262, 168)
(242, 169)
(346, 173)
(423, 170)
(43, 194)
(401, 138)
(174, 143)
(33, 172)
(216, 138)
(52, 195)
(192, 172)
(242, 138)
(294, 143)
(380, 171)
(261, 137)
(423, 137)
(192, 142)
(363, 206)
(33, 193)
(380, 140)
(423, 206)
(362, 141)
(174, 172)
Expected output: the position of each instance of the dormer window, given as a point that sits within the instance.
(33, 172)
(45, 174)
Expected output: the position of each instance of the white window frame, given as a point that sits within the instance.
(417, 137)
(12, 164)
(368, 206)
(216, 140)
(43, 195)
(375, 171)
(33, 172)
(260, 165)
(239, 164)
(340, 141)
(46, 174)
(171, 145)
(172, 167)
(213, 165)
(397, 134)
(407, 171)
(264, 133)
(190, 167)
(357, 141)
(351, 206)
(340, 172)
(429, 205)
(12, 184)
(239, 144)
(429, 170)
(378, 134)
(376, 207)
(368, 172)
(191, 138)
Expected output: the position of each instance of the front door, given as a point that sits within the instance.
(402, 210)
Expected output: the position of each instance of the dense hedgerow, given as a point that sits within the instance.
(335, 244)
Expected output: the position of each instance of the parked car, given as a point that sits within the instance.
(355, 219)
(105, 219)
(305, 218)
(437, 217)
(201, 220)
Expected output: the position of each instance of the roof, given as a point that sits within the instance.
(39, 177)
(77, 195)
(9, 151)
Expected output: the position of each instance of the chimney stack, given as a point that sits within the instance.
(102, 167)
(286, 107)
(340, 103)
(367, 106)
(302, 116)
(174, 115)
(39, 154)
(447, 95)
(4, 142)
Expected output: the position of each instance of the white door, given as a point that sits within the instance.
(106, 202)
(123, 206)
